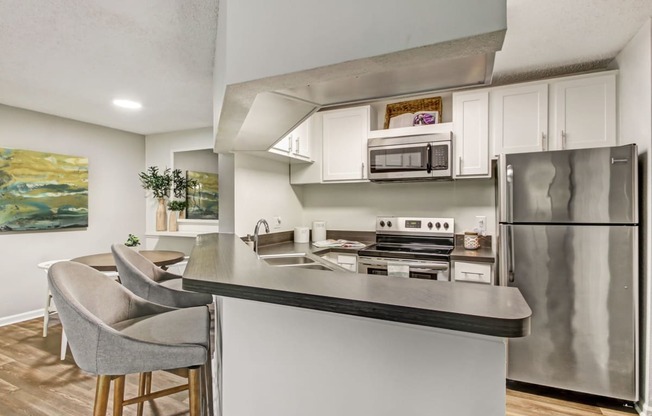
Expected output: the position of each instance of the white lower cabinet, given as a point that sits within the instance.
(474, 272)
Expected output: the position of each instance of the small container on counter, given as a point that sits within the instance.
(301, 234)
(471, 240)
(318, 230)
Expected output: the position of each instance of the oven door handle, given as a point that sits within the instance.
(415, 265)
(429, 269)
(429, 158)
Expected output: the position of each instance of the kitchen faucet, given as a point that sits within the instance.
(263, 222)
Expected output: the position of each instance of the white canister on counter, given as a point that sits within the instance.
(318, 230)
(301, 234)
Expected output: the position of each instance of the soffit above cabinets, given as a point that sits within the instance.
(411, 56)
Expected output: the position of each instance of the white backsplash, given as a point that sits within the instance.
(355, 206)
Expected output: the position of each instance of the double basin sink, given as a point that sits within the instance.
(296, 260)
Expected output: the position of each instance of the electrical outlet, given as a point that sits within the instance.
(277, 222)
(481, 223)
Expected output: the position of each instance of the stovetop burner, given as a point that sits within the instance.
(413, 248)
(407, 251)
(412, 238)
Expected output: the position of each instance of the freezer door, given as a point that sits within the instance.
(581, 284)
(570, 186)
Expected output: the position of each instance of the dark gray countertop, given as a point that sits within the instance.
(222, 264)
(484, 255)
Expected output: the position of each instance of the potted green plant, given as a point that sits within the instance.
(175, 206)
(181, 184)
(159, 183)
(132, 241)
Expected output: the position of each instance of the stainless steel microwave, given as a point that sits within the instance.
(409, 158)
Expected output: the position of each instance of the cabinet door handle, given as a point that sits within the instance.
(475, 273)
(290, 145)
(362, 171)
(563, 139)
(460, 164)
(297, 148)
(543, 141)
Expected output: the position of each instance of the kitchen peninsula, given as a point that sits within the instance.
(297, 341)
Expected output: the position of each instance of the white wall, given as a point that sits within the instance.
(196, 160)
(634, 126)
(355, 206)
(262, 190)
(115, 202)
(159, 150)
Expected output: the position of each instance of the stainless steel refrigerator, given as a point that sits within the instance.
(568, 239)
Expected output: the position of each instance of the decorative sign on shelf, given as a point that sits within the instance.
(203, 199)
(42, 191)
(414, 112)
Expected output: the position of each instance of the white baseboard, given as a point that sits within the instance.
(25, 316)
(643, 409)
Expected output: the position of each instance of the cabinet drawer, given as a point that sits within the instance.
(472, 272)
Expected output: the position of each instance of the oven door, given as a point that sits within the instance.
(400, 161)
(415, 269)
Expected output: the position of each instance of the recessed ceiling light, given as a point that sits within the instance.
(132, 105)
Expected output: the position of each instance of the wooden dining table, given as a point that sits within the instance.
(104, 262)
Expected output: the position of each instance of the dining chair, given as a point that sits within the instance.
(50, 307)
(150, 282)
(113, 332)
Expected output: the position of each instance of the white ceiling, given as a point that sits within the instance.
(72, 57)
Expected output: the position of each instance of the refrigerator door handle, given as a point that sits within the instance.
(512, 265)
(506, 246)
(509, 177)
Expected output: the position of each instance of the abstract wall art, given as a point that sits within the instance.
(42, 191)
(203, 199)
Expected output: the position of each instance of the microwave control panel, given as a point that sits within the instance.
(439, 157)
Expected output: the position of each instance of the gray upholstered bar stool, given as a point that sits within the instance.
(113, 332)
(150, 282)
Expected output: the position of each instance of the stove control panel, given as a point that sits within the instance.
(415, 225)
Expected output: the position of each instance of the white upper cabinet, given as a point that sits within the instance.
(568, 113)
(519, 119)
(471, 134)
(345, 144)
(584, 112)
(300, 138)
(295, 145)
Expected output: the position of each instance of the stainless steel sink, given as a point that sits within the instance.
(293, 260)
(287, 259)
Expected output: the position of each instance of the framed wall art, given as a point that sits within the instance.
(42, 191)
(203, 199)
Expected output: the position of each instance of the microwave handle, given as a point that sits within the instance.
(429, 159)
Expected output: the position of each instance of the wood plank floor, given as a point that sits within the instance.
(33, 381)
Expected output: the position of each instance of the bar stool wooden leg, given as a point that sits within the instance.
(118, 395)
(101, 395)
(194, 391)
(142, 390)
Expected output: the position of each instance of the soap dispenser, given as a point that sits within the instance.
(249, 241)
